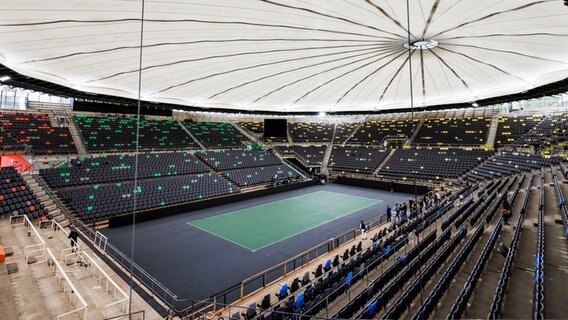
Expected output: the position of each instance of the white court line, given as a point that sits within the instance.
(292, 235)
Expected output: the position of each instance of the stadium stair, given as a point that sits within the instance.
(384, 162)
(76, 136)
(288, 135)
(45, 199)
(37, 188)
(35, 290)
(416, 130)
(245, 132)
(354, 131)
(492, 132)
(191, 134)
(54, 280)
(326, 157)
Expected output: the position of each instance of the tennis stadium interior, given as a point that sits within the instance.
(220, 160)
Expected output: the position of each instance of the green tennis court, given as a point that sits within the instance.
(257, 227)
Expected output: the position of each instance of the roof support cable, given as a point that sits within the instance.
(137, 153)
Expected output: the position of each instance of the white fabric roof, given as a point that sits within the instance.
(289, 55)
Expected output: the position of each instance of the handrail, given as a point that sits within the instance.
(124, 298)
(74, 290)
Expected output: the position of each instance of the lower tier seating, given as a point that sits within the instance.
(310, 155)
(15, 196)
(508, 163)
(262, 175)
(431, 163)
(356, 159)
(237, 159)
(103, 201)
(113, 168)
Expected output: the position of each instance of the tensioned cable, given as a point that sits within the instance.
(135, 191)
(412, 119)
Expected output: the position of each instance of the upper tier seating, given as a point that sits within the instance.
(512, 127)
(252, 126)
(118, 134)
(508, 163)
(311, 131)
(310, 155)
(7, 143)
(551, 130)
(237, 159)
(356, 159)
(375, 131)
(103, 201)
(431, 163)
(344, 130)
(114, 168)
(453, 131)
(35, 130)
(15, 196)
(262, 175)
(216, 134)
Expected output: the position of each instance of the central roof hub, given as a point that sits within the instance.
(421, 44)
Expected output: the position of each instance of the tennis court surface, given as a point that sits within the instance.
(260, 226)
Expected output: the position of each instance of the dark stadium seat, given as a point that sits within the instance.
(16, 198)
(216, 134)
(118, 134)
(374, 132)
(35, 130)
(453, 131)
(311, 131)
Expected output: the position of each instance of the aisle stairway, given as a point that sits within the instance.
(76, 136)
(52, 280)
(492, 132)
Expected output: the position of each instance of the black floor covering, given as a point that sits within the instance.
(195, 264)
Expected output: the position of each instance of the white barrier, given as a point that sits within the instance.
(103, 278)
(96, 271)
(74, 296)
(34, 249)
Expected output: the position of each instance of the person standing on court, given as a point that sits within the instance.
(363, 229)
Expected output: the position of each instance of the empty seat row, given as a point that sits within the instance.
(356, 159)
(453, 131)
(308, 155)
(237, 159)
(103, 201)
(374, 132)
(311, 131)
(118, 134)
(275, 174)
(113, 168)
(216, 135)
(36, 131)
(431, 163)
(511, 127)
(15, 196)
(506, 163)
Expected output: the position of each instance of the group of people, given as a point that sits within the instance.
(404, 211)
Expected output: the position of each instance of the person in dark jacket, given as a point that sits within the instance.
(363, 229)
(73, 236)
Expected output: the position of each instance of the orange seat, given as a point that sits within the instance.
(2, 254)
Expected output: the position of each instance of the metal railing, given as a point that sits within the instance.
(35, 250)
(73, 294)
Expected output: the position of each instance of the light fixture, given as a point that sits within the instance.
(475, 104)
(322, 114)
(4, 78)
